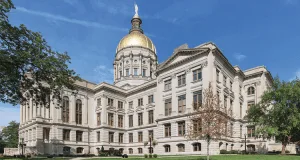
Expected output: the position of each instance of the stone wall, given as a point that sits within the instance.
(278, 147)
(11, 151)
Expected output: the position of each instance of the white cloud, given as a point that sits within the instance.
(104, 74)
(71, 20)
(239, 57)
(296, 75)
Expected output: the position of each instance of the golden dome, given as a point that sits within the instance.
(136, 39)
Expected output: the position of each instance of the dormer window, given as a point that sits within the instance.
(251, 90)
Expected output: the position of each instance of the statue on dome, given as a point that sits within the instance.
(136, 9)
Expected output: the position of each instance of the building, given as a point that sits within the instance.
(146, 99)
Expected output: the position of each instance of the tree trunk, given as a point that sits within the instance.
(283, 147)
(208, 142)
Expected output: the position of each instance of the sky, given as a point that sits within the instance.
(249, 33)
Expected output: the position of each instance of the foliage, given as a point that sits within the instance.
(278, 113)
(209, 121)
(223, 151)
(29, 68)
(150, 155)
(145, 143)
(154, 142)
(102, 149)
(10, 135)
(154, 155)
(145, 155)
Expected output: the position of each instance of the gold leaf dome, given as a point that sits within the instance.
(136, 39)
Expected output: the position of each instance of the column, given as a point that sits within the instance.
(21, 114)
(85, 111)
(72, 109)
(103, 111)
(30, 109)
(42, 110)
(34, 110)
(24, 112)
(38, 109)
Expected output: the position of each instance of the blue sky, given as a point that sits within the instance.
(249, 33)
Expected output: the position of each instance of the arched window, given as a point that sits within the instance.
(78, 111)
(140, 150)
(181, 147)
(79, 150)
(65, 110)
(150, 150)
(167, 148)
(130, 151)
(121, 150)
(197, 146)
(251, 90)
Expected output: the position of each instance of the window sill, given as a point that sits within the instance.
(196, 81)
(167, 90)
(183, 85)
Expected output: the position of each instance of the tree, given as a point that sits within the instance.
(29, 68)
(278, 113)
(10, 135)
(209, 120)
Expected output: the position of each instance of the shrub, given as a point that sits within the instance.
(146, 155)
(287, 151)
(154, 155)
(234, 152)
(223, 151)
(150, 155)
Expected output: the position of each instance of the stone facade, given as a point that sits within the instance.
(143, 101)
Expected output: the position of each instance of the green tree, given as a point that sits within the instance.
(278, 113)
(28, 65)
(10, 135)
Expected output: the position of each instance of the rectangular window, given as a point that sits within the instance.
(130, 137)
(150, 133)
(197, 126)
(150, 99)
(218, 75)
(110, 119)
(181, 128)
(225, 104)
(121, 137)
(140, 119)
(98, 136)
(130, 104)
(46, 134)
(140, 137)
(168, 84)
(224, 80)
(135, 71)
(167, 130)
(168, 107)
(241, 131)
(144, 72)
(120, 74)
(181, 80)
(66, 134)
(98, 119)
(197, 75)
(110, 102)
(241, 110)
(181, 104)
(99, 102)
(140, 102)
(150, 116)
(120, 105)
(251, 131)
(231, 107)
(167, 148)
(120, 121)
(127, 72)
(111, 137)
(130, 120)
(79, 136)
(140, 150)
(197, 99)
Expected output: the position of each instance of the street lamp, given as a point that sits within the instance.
(150, 138)
(22, 144)
(245, 142)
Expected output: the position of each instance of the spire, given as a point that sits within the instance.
(136, 21)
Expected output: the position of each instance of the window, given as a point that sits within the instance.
(140, 150)
(181, 104)
(150, 99)
(130, 104)
(197, 126)
(181, 80)
(79, 136)
(98, 136)
(197, 99)
(98, 119)
(197, 146)
(120, 121)
(79, 150)
(150, 135)
(140, 102)
(140, 137)
(120, 74)
(150, 150)
(231, 85)
(120, 105)
(249, 105)
(218, 75)
(121, 150)
(241, 131)
(135, 70)
(78, 112)
(231, 107)
(224, 80)
(181, 147)
(241, 109)
(66, 150)
(167, 148)
(218, 100)
(130, 151)
(144, 73)
(181, 128)
(251, 90)
(130, 120)
(167, 130)
(127, 72)
(168, 107)
(225, 103)
(98, 102)
(66, 134)
(140, 119)
(130, 137)
(197, 75)
(168, 84)
(65, 110)
(251, 131)
(46, 133)
(110, 119)
(121, 137)
(231, 129)
(150, 116)
(111, 137)
(110, 102)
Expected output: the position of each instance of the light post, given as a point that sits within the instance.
(22, 144)
(245, 142)
(150, 138)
